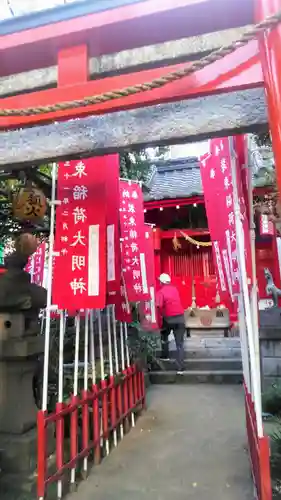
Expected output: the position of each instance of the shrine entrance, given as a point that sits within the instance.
(83, 122)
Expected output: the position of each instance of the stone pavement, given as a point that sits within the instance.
(189, 444)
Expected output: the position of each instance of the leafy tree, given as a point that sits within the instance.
(135, 165)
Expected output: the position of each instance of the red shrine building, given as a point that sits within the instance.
(175, 206)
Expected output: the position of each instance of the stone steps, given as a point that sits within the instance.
(203, 364)
(197, 377)
(207, 360)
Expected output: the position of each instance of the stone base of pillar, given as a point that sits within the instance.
(18, 459)
(19, 351)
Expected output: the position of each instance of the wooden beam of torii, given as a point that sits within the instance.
(183, 121)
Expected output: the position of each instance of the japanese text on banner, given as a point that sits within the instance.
(148, 308)
(133, 241)
(35, 265)
(216, 171)
(80, 239)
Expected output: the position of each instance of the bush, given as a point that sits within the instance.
(271, 400)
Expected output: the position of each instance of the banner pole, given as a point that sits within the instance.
(254, 291)
(49, 290)
(245, 292)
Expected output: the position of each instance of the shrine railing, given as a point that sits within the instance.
(95, 417)
(259, 452)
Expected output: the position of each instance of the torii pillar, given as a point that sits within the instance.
(270, 53)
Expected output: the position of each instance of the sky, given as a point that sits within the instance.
(10, 8)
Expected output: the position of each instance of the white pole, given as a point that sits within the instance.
(122, 347)
(60, 378)
(101, 347)
(108, 317)
(49, 290)
(86, 360)
(102, 376)
(92, 348)
(245, 293)
(122, 367)
(117, 368)
(254, 292)
(75, 381)
(244, 342)
(128, 362)
(116, 355)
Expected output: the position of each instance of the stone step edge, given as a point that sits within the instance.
(203, 360)
(198, 372)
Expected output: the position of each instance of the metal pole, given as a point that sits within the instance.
(102, 377)
(92, 348)
(108, 317)
(86, 360)
(128, 361)
(49, 290)
(60, 381)
(254, 292)
(245, 294)
(75, 391)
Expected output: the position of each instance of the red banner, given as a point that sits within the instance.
(80, 239)
(123, 310)
(35, 265)
(148, 308)
(133, 241)
(266, 226)
(216, 173)
(111, 165)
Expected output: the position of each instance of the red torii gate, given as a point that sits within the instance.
(70, 43)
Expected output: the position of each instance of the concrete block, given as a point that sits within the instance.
(271, 366)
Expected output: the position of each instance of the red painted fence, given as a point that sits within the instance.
(108, 404)
(259, 452)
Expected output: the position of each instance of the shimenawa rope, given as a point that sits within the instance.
(268, 23)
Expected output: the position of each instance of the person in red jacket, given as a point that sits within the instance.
(171, 310)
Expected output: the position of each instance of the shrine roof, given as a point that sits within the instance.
(180, 178)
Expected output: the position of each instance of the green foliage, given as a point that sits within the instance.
(263, 139)
(143, 346)
(135, 165)
(271, 400)
(275, 459)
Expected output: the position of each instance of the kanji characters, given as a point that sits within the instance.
(135, 261)
(125, 193)
(134, 247)
(223, 165)
(78, 285)
(137, 287)
(231, 218)
(79, 215)
(136, 274)
(132, 221)
(212, 173)
(77, 262)
(133, 234)
(226, 183)
(80, 170)
(65, 226)
(135, 195)
(228, 200)
(131, 208)
(80, 193)
(78, 238)
(65, 201)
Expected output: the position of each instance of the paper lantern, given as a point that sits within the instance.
(29, 204)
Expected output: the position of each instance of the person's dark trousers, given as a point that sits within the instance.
(165, 332)
(177, 325)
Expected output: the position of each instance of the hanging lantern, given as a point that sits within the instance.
(29, 204)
